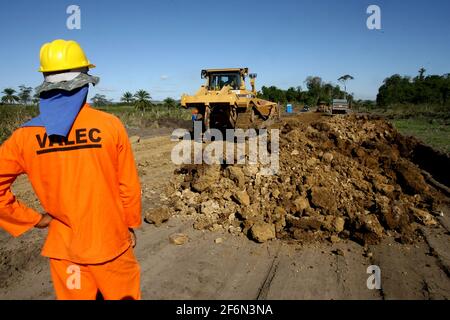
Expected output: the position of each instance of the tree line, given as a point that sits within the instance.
(431, 89)
(316, 91)
(141, 99)
(23, 96)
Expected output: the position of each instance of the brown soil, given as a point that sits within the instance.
(340, 177)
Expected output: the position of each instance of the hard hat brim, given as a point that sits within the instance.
(90, 66)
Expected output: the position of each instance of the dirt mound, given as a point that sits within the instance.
(340, 177)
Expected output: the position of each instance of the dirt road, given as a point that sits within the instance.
(236, 268)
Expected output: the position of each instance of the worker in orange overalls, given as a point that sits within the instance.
(81, 166)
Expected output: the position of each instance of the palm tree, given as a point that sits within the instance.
(9, 96)
(142, 95)
(142, 101)
(344, 80)
(422, 72)
(127, 97)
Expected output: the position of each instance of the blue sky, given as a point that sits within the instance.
(161, 46)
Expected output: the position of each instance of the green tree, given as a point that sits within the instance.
(170, 103)
(317, 90)
(432, 89)
(344, 80)
(9, 96)
(25, 94)
(421, 73)
(100, 100)
(142, 100)
(327, 93)
(338, 93)
(395, 89)
(292, 95)
(127, 97)
(314, 85)
(274, 94)
(445, 90)
(36, 98)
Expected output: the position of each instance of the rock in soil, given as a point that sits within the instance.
(178, 239)
(262, 232)
(242, 197)
(424, 217)
(157, 216)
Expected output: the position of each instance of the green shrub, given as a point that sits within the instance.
(12, 117)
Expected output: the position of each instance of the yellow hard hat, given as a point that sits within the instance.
(60, 55)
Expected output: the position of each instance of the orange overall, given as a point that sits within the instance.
(88, 183)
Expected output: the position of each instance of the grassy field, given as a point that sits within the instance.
(431, 124)
(138, 119)
(434, 132)
(11, 117)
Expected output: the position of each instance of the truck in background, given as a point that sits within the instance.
(340, 106)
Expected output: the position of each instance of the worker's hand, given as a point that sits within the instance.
(133, 237)
(44, 222)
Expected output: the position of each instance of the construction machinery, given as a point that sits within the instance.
(224, 102)
(339, 106)
(322, 106)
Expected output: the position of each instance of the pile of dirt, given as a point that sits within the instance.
(346, 177)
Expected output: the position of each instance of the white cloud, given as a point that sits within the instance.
(164, 77)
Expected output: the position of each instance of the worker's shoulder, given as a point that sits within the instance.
(98, 115)
(25, 131)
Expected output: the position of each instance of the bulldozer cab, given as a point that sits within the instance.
(217, 81)
(218, 78)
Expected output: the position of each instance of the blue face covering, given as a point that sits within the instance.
(58, 110)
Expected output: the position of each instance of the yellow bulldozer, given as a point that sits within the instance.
(224, 102)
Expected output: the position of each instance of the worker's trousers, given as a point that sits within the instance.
(113, 280)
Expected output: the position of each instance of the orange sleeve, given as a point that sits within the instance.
(15, 217)
(129, 185)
